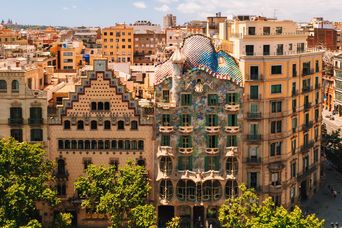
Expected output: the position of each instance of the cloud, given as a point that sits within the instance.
(139, 5)
(167, 1)
(163, 8)
(303, 10)
(74, 6)
(66, 8)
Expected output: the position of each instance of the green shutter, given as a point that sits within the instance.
(206, 120)
(236, 98)
(179, 164)
(190, 141)
(190, 163)
(190, 99)
(207, 140)
(227, 100)
(206, 163)
(215, 120)
(179, 141)
(230, 120)
(217, 163)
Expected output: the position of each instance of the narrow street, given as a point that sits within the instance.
(323, 204)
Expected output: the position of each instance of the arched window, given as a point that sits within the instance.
(140, 145)
(121, 125)
(66, 125)
(3, 86)
(120, 144)
(232, 189)
(73, 144)
(87, 145)
(127, 145)
(166, 189)
(107, 125)
(61, 189)
(107, 144)
(186, 190)
(67, 144)
(80, 144)
(106, 106)
(60, 144)
(134, 145)
(100, 144)
(60, 167)
(100, 106)
(134, 125)
(80, 125)
(93, 106)
(93, 125)
(166, 165)
(212, 190)
(93, 144)
(15, 86)
(231, 166)
(114, 145)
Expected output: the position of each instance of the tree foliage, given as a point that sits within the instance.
(119, 194)
(332, 146)
(174, 223)
(24, 176)
(247, 211)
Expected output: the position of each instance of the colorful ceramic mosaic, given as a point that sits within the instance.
(200, 54)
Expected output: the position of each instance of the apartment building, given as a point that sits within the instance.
(198, 124)
(117, 43)
(338, 84)
(282, 108)
(68, 55)
(23, 113)
(146, 46)
(99, 123)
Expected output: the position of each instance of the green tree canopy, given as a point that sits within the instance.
(121, 194)
(247, 211)
(24, 176)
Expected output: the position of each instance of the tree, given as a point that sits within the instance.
(119, 194)
(332, 146)
(174, 223)
(247, 211)
(24, 176)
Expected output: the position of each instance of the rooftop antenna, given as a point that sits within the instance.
(275, 13)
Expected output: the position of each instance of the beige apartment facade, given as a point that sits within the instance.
(101, 124)
(282, 109)
(23, 104)
(117, 43)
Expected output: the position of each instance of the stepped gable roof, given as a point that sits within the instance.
(199, 53)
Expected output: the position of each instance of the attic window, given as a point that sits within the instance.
(221, 61)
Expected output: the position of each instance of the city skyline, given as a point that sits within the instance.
(89, 13)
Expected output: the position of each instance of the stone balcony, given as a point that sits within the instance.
(232, 108)
(212, 129)
(212, 151)
(165, 151)
(166, 106)
(231, 151)
(186, 129)
(185, 150)
(166, 129)
(232, 129)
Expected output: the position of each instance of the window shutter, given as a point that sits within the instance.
(236, 98)
(215, 120)
(206, 163)
(217, 163)
(190, 163)
(190, 141)
(180, 165)
(206, 120)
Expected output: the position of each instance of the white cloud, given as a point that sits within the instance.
(65, 8)
(139, 5)
(167, 1)
(285, 9)
(163, 8)
(74, 6)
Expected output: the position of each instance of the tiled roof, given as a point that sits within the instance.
(200, 54)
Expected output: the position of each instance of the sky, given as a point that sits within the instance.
(108, 12)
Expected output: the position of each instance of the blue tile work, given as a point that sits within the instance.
(200, 54)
